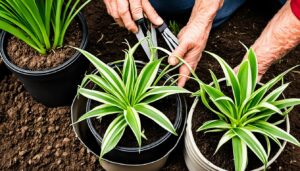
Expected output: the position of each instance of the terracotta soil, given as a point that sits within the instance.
(152, 131)
(28, 58)
(34, 137)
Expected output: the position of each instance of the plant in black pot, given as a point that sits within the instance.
(35, 43)
(249, 121)
(128, 96)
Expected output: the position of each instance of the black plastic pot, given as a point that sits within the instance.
(147, 153)
(3, 69)
(56, 86)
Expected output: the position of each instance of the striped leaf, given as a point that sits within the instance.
(231, 78)
(163, 90)
(253, 67)
(224, 139)
(113, 135)
(100, 111)
(101, 97)
(252, 142)
(271, 97)
(240, 154)
(256, 129)
(276, 132)
(155, 115)
(245, 80)
(214, 124)
(146, 78)
(223, 106)
(134, 122)
(110, 75)
(129, 73)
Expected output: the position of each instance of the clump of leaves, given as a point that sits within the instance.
(174, 26)
(42, 24)
(127, 96)
(248, 112)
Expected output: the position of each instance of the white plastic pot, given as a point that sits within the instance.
(196, 161)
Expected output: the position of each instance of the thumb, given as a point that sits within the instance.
(180, 51)
(184, 73)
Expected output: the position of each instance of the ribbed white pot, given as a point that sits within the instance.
(196, 161)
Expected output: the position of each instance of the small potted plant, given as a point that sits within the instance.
(34, 46)
(244, 122)
(126, 101)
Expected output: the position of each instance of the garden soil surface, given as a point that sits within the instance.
(34, 137)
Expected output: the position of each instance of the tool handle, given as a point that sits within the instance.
(162, 27)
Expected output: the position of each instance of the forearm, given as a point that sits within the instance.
(205, 10)
(278, 38)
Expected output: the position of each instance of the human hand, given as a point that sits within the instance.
(126, 12)
(278, 38)
(193, 37)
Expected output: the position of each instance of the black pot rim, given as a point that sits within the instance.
(83, 25)
(152, 145)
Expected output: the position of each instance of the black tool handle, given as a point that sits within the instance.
(143, 23)
(162, 27)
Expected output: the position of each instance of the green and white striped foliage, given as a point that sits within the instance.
(248, 112)
(127, 95)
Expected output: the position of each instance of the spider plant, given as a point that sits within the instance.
(42, 24)
(247, 114)
(174, 26)
(127, 95)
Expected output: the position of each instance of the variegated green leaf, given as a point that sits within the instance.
(110, 75)
(214, 124)
(133, 120)
(146, 78)
(113, 134)
(252, 142)
(100, 111)
(157, 116)
(165, 90)
(224, 139)
(101, 97)
(276, 132)
(240, 154)
(230, 77)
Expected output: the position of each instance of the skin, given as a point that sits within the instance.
(278, 38)
(125, 12)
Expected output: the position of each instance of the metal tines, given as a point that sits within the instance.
(149, 29)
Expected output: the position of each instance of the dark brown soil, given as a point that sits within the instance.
(28, 58)
(152, 131)
(17, 109)
(36, 137)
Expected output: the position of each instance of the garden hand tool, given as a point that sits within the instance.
(149, 29)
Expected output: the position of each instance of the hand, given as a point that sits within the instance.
(193, 37)
(278, 38)
(126, 12)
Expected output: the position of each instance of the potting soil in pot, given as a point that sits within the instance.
(28, 58)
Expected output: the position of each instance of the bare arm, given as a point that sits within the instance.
(280, 36)
(193, 37)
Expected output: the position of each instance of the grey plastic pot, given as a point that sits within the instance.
(196, 161)
(84, 134)
(87, 138)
